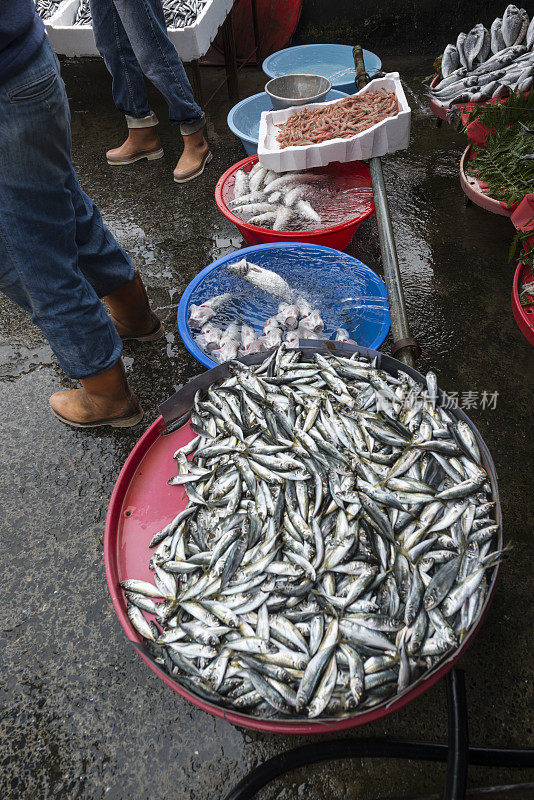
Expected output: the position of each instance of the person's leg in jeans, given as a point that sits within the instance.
(46, 238)
(143, 22)
(128, 87)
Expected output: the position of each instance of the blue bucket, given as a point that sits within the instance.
(332, 61)
(244, 118)
(348, 293)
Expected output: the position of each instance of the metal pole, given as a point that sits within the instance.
(405, 348)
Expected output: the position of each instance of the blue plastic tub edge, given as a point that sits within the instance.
(181, 319)
(347, 87)
(251, 145)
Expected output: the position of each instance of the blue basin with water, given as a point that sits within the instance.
(244, 118)
(348, 293)
(332, 61)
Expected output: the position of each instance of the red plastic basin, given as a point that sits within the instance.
(143, 502)
(478, 191)
(524, 315)
(337, 237)
(435, 107)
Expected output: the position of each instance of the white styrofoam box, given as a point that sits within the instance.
(392, 133)
(69, 39)
(195, 40)
(191, 42)
(48, 22)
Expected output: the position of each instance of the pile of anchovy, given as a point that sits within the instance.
(336, 544)
(45, 8)
(182, 13)
(83, 14)
(488, 64)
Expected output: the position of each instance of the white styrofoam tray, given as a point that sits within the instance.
(69, 39)
(191, 42)
(392, 133)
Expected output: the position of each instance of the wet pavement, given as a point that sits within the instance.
(81, 716)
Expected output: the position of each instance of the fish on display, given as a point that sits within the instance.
(200, 314)
(46, 8)
(83, 14)
(493, 64)
(248, 335)
(288, 315)
(512, 24)
(497, 41)
(450, 60)
(337, 544)
(270, 200)
(342, 335)
(473, 44)
(240, 184)
(240, 338)
(261, 278)
(313, 321)
(209, 337)
(226, 351)
(182, 13)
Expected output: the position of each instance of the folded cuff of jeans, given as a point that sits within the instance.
(187, 128)
(142, 122)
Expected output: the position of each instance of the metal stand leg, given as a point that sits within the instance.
(230, 60)
(457, 753)
(255, 26)
(197, 82)
(405, 348)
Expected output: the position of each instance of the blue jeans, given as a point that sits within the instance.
(131, 36)
(56, 255)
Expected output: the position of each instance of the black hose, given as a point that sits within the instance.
(456, 776)
(414, 750)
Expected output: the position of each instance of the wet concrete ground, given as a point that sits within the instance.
(81, 716)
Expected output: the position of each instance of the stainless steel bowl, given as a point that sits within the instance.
(297, 90)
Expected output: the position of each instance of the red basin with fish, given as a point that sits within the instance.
(142, 502)
(352, 175)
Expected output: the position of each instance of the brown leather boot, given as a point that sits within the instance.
(141, 143)
(194, 158)
(131, 314)
(105, 399)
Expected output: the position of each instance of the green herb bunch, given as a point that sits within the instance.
(516, 108)
(504, 163)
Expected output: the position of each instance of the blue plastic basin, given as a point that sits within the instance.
(348, 293)
(333, 61)
(244, 118)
